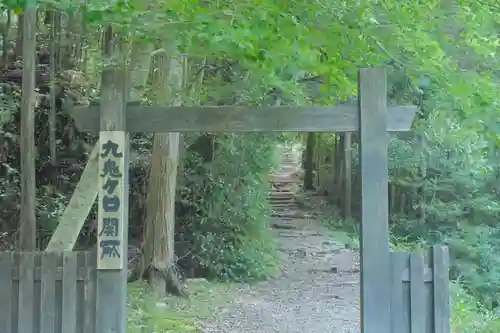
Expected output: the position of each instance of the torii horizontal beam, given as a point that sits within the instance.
(343, 118)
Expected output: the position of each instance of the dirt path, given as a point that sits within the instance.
(318, 288)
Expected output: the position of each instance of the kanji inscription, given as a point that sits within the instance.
(112, 171)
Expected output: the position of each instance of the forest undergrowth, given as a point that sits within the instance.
(469, 315)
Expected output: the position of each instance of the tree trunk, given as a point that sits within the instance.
(309, 162)
(160, 221)
(347, 181)
(68, 41)
(19, 36)
(53, 90)
(158, 256)
(6, 47)
(28, 152)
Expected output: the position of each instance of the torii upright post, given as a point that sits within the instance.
(375, 260)
(113, 192)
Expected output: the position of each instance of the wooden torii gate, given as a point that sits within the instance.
(371, 117)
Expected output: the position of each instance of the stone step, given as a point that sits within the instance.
(285, 183)
(278, 196)
(283, 207)
(281, 194)
(284, 180)
(282, 202)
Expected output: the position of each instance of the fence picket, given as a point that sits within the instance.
(6, 263)
(89, 309)
(441, 292)
(69, 295)
(48, 292)
(417, 293)
(26, 292)
(420, 298)
(398, 263)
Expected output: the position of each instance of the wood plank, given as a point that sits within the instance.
(428, 275)
(375, 261)
(417, 294)
(398, 263)
(441, 290)
(69, 295)
(89, 306)
(6, 263)
(74, 216)
(48, 292)
(342, 118)
(26, 292)
(81, 273)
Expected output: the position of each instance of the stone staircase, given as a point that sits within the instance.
(285, 182)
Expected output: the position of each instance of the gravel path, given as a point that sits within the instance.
(317, 290)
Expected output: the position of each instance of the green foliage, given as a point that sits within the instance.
(467, 313)
(442, 55)
(228, 235)
(443, 58)
(469, 316)
(460, 200)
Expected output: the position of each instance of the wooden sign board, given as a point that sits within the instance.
(112, 201)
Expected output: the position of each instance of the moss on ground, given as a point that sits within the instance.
(147, 313)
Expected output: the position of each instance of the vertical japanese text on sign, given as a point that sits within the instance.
(110, 242)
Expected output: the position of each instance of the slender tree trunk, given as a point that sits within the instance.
(28, 187)
(347, 181)
(53, 72)
(158, 259)
(19, 36)
(309, 162)
(160, 222)
(6, 51)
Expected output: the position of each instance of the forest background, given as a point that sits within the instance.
(441, 56)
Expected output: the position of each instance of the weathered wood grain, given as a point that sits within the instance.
(420, 299)
(71, 221)
(441, 290)
(112, 283)
(47, 275)
(375, 261)
(69, 292)
(38, 274)
(89, 305)
(26, 293)
(343, 118)
(6, 291)
(50, 302)
(398, 263)
(417, 294)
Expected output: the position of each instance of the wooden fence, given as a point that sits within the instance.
(420, 298)
(43, 292)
